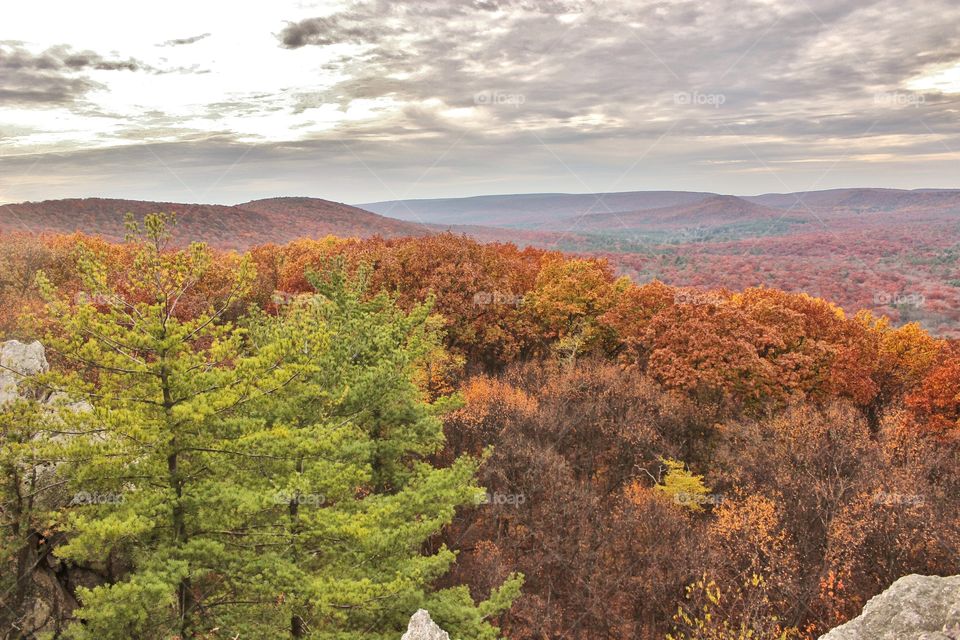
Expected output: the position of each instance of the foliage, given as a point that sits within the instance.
(683, 487)
(334, 399)
(709, 611)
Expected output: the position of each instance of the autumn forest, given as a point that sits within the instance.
(313, 439)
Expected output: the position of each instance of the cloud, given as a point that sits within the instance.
(813, 67)
(333, 30)
(527, 95)
(13, 56)
(176, 42)
(52, 77)
(371, 22)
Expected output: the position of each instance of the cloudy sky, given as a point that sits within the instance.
(205, 101)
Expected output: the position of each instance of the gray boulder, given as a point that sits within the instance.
(422, 627)
(913, 608)
(17, 361)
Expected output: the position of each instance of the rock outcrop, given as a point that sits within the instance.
(422, 627)
(42, 598)
(913, 608)
(17, 361)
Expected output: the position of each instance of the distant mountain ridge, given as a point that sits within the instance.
(529, 209)
(573, 222)
(866, 200)
(554, 211)
(277, 220)
(712, 210)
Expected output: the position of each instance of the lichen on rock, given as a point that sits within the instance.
(422, 627)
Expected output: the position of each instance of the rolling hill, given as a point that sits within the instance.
(850, 201)
(710, 211)
(554, 211)
(541, 210)
(236, 227)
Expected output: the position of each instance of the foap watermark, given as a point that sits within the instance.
(484, 298)
(697, 99)
(887, 298)
(501, 499)
(692, 234)
(687, 499)
(306, 499)
(499, 98)
(898, 99)
(280, 298)
(888, 499)
(97, 299)
(697, 297)
(82, 498)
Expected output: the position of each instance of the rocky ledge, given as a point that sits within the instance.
(913, 608)
(422, 627)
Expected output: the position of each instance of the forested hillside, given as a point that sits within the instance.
(227, 227)
(314, 439)
(894, 252)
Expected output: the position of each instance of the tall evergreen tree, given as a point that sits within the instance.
(355, 499)
(150, 459)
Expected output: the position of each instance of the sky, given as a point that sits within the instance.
(224, 102)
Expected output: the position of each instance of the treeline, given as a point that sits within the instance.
(703, 464)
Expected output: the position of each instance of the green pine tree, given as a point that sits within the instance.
(355, 501)
(156, 518)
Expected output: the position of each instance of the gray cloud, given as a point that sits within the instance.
(176, 42)
(52, 77)
(383, 162)
(333, 30)
(821, 63)
(59, 58)
(373, 21)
